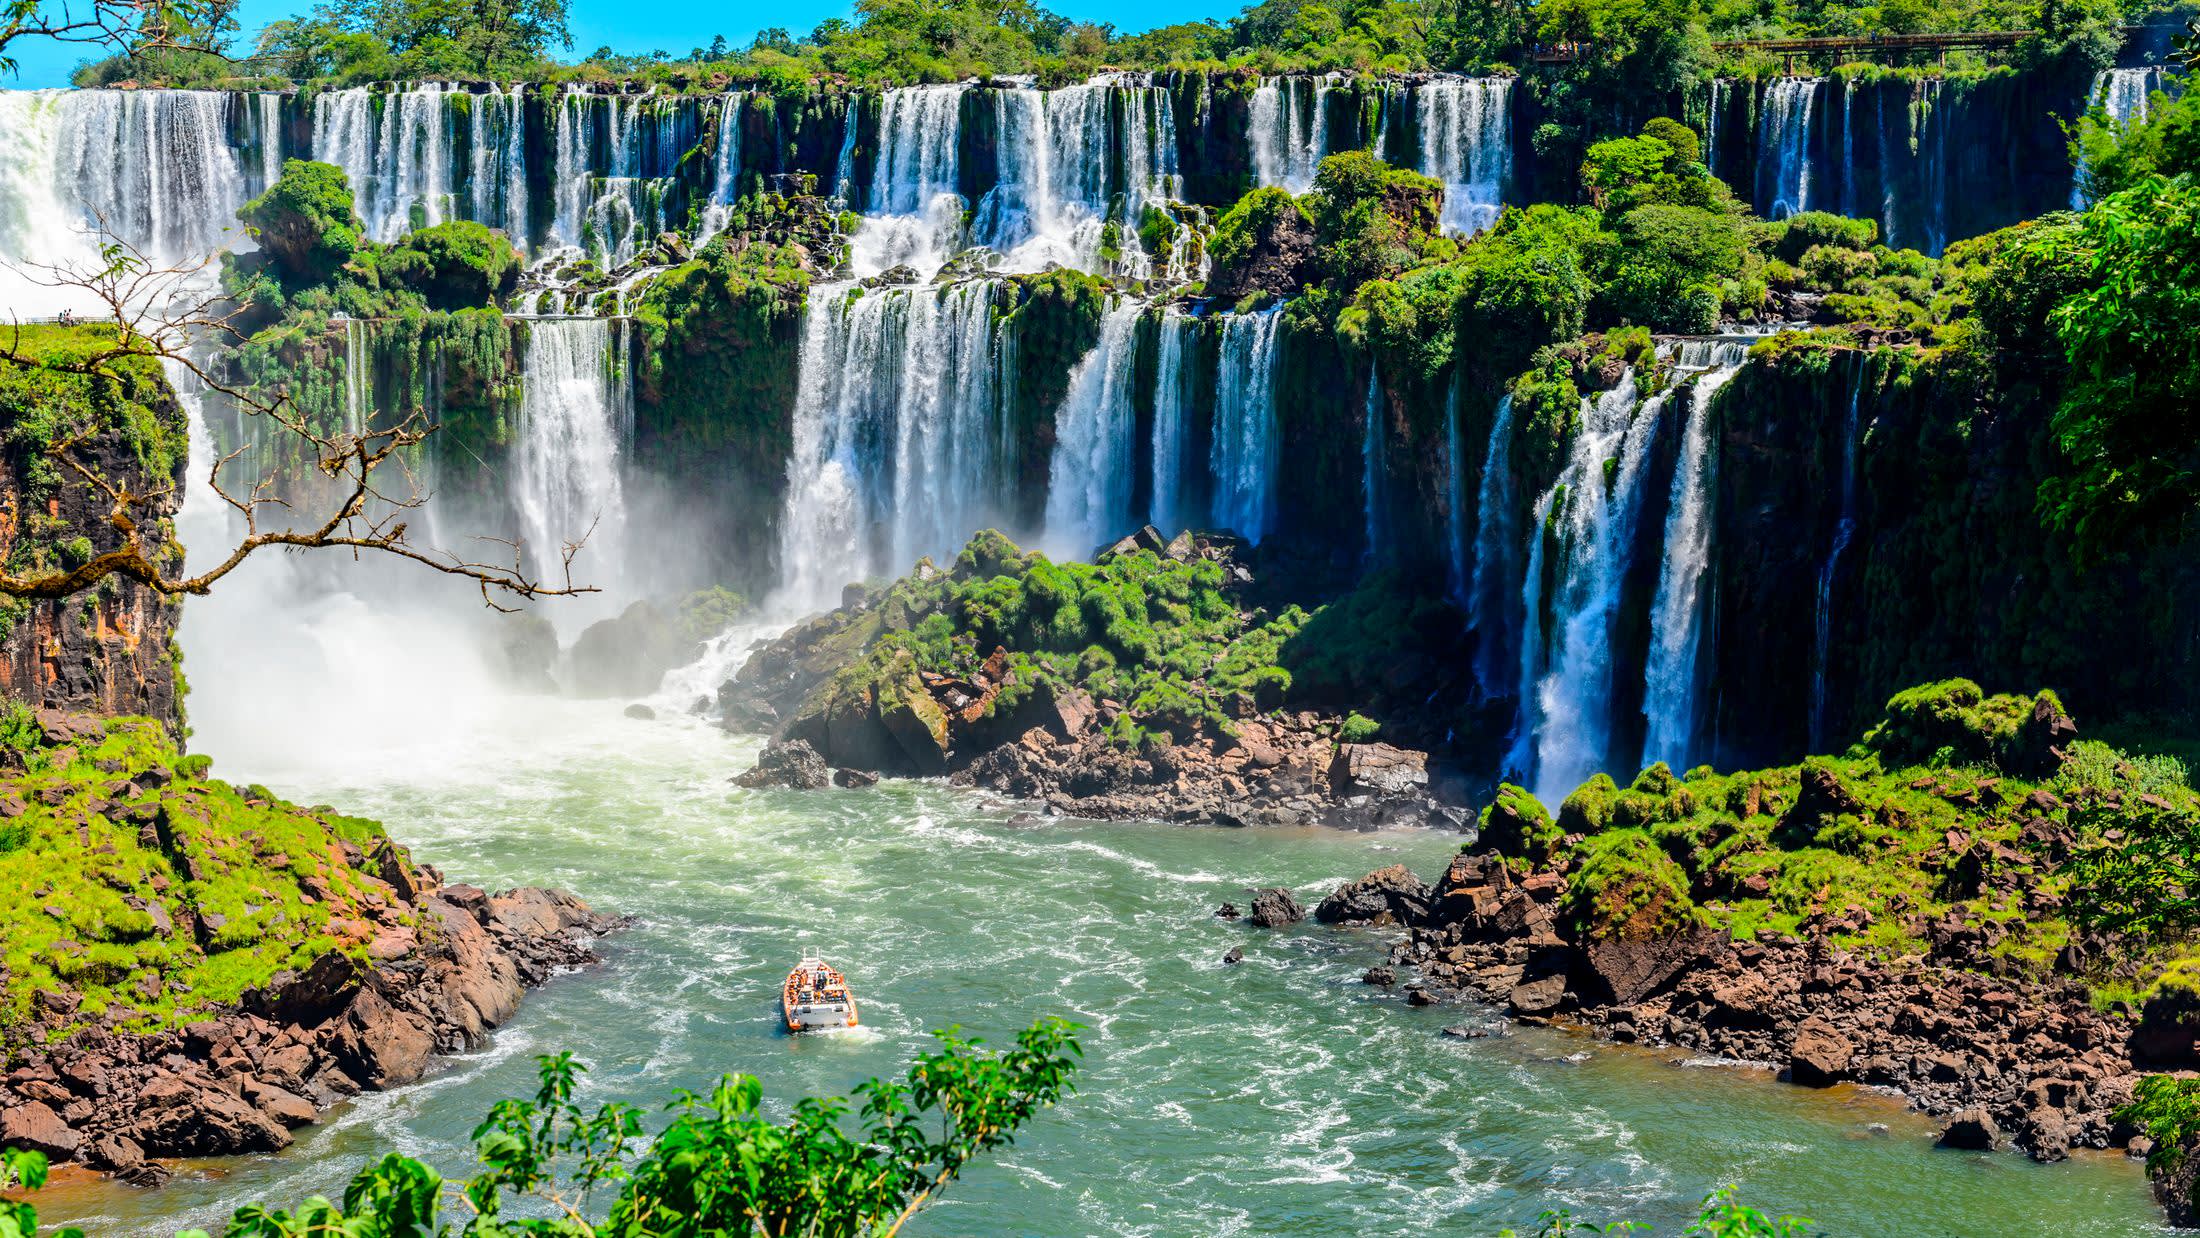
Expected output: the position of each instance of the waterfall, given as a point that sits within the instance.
(573, 415)
(914, 213)
(1783, 145)
(1496, 553)
(1243, 459)
(899, 447)
(152, 167)
(400, 164)
(267, 124)
(497, 141)
(725, 174)
(1711, 125)
(1848, 147)
(1591, 512)
(2123, 95)
(1676, 614)
(358, 377)
(1289, 140)
(1054, 192)
(1829, 571)
(1169, 390)
(1374, 469)
(1089, 486)
(1466, 142)
(1455, 496)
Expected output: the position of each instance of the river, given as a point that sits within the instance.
(1280, 1096)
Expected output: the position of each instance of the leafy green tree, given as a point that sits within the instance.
(1663, 265)
(1370, 219)
(305, 221)
(2129, 420)
(2146, 879)
(453, 265)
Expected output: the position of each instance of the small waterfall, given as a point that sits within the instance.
(1056, 150)
(899, 447)
(1243, 459)
(1290, 137)
(574, 415)
(2123, 94)
(399, 164)
(267, 135)
(155, 165)
(358, 377)
(1456, 549)
(1089, 487)
(1169, 391)
(1784, 132)
(1374, 469)
(1676, 614)
(1829, 571)
(1591, 512)
(725, 175)
(914, 213)
(1466, 142)
(1711, 127)
(1496, 554)
(1848, 147)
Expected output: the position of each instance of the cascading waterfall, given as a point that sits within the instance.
(899, 447)
(497, 141)
(1676, 614)
(399, 163)
(1290, 137)
(725, 174)
(1829, 571)
(1783, 145)
(1466, 142)
(1496, 555)
(1456, 549)
(2123, 95)
(1374, 469)
(1591, 514)
(914, 212)
(1168, 512)
(267, 134)
(574, 417)
(153, 167)
(1089, 486)
(1056, 149)
(1243, 459)
(358, 377)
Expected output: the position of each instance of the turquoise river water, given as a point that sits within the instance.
(1277, 1097)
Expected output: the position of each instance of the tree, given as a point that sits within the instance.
(126, 26)
(720, 1167)
(2129, 420)
(305, 221)
(718, 50)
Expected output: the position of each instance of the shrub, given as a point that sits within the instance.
(305, 222)
(453, 266)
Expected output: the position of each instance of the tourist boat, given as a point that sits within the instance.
(816, 998)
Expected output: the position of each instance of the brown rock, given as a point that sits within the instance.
(280, 1104)
(1393, 895)
(1274, 908)
(1972, 1130)
(193, 1116)
(37, 1128)
(1820, 1055)
(380, 1045)
(1539, 996)
(1380, 770)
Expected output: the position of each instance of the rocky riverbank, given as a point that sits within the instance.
(196, 969)
(1932, 913)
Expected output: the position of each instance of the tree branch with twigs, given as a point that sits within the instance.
(172, 316)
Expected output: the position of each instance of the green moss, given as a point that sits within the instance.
(267, 884)
(1623, 883)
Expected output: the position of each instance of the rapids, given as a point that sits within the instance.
(1276, 1097)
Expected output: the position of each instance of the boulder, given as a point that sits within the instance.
(281, 1104)
(1623, 970)
(190, 1115)
(1235, 955)
(1274, 908)
(1380, 770)
(1393, 895)
(1972, 1130)
(641, 712)
(916, 722)
(792, 763)
(306, 999)
(1820, 1055)
(1380, 976)
(1539, 996)
(380, 1045)
(854, 779)
(37, 1128)
(629, 655)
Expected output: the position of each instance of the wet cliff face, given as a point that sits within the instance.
(109, 650)
(1945, 569)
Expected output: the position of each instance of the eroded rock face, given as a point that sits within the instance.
(1391, 895)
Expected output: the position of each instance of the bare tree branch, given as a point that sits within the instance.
(171, 315)
(127, 26)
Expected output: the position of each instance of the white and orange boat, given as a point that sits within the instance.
(816, 998)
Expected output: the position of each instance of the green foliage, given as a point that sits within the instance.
(305, 222)
(1370, 219)
(1720, 1217)
(1797, 235)
(2138, 866)
(357, 41)
(2168, 1109)
(20, 1173)
(1623, 881)
(1359, 729)
(453, 265)
(719, 1167)
(1954, 716)
(2129, 420)
(1247, 227)
(1664, 264)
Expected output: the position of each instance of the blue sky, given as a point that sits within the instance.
(630, 27)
